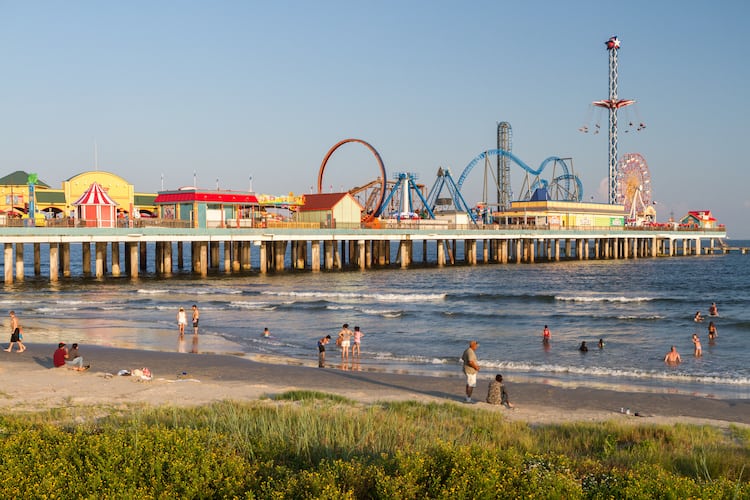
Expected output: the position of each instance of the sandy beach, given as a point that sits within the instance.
(31, 383)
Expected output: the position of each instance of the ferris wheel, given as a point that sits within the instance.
(634, 185)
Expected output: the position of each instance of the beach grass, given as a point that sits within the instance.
(306, 444)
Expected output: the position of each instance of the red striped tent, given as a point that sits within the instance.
(95, 208)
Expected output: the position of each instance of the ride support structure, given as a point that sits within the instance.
(504, 142)
(401, 196)
(434, 200)
(612, 105)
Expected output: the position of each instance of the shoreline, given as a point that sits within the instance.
(181, 380)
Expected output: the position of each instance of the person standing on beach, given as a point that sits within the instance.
(322, 351)
(673, 357)
(471, 367)
(196, 317)
(181, 320)
(15, 334)
(546, 335)
(345, 336)
(357, 340)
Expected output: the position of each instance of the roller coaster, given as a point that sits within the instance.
(563, 185)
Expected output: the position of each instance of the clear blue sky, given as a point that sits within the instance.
(230, 90)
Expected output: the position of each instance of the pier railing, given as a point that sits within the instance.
(388, 224)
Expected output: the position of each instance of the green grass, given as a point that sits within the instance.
(307, 444)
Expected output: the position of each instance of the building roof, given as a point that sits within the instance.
(702, 215)
(19, 178)
(193, 195)
(324, 201)
(95, 195)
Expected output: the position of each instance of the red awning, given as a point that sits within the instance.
(189, 196)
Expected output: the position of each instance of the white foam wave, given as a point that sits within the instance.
(55, 309)
(153, 292)
(631, 316)
(241, 304)
(602, 299)
(375, 297)
(593, 371)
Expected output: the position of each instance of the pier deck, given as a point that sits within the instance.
(125, 251)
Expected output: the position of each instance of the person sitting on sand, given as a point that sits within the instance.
(713, 310)
(583, 347)
(75, 360)
(698, 318)
(61, 356)
(496, 393)
(673, 357)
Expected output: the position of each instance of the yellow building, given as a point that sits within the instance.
(14, 194)
(562, 214)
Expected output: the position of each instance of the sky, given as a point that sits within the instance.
(251, 94)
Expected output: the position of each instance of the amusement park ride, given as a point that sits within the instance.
(402, 198)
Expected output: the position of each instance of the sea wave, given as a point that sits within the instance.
(375, 297)
(584, 298)
(603, 372)
(263, 306)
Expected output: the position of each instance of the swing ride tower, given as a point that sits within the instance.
(612, 104)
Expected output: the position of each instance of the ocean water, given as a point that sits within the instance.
(420, 320)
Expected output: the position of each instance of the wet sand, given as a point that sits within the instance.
(180, 379)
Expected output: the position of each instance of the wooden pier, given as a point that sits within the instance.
(125, 252)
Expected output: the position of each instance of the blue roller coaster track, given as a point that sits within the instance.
(563, 181)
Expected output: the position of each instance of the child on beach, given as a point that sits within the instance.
(697, 351)
(357, 339)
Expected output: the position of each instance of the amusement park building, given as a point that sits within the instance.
(562, 214)
(331, 210)
(699, 218)
(204, 209)
(16, 193)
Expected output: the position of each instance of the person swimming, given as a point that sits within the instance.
(698, 318)
(583, 347)
(713, 310)
(673, 357)
(712, 332)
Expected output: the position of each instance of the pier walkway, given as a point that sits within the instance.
(125, 251)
